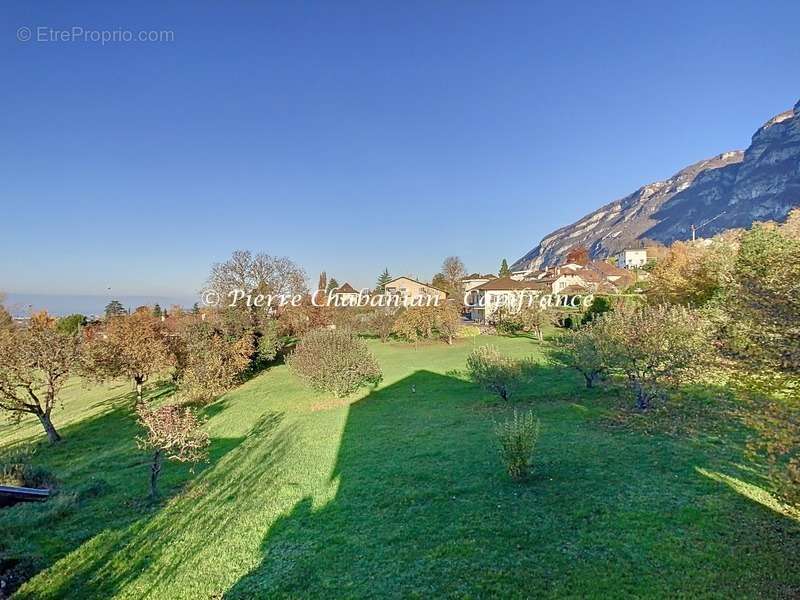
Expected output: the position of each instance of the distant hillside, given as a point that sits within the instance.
(761, 183)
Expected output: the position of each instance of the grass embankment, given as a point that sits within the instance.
(397, 492)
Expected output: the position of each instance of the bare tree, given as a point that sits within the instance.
(259, 273)
(35, 363)
(173, 433)
(453, 272)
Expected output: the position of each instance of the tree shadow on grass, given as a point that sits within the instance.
(423, 509)
(102, 487)
(114, 560)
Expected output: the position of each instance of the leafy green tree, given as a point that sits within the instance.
(115, 309)
(532, 320)
(599, 306)
(71, 324)
(588, 350)
(381, 322)
(383, 279)
(416, 323)
(656, 347)
(763, 306)
(332, 284)
(447, 321)
(334, 360)
(504, 270)
(760, 325)
(157, 311)
(497, 373)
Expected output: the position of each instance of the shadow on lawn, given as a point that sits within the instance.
(424, 509)
(100, 470)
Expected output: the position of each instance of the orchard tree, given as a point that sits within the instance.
(692, 274)
(35, 363)
(132, 346)
(761, 328)
(447, 321)
(416, 323)
(531, 320)
(656, 347)
(211, 363)
(173, 433)
(588, 350)
(497, 373)
(381, 322)
(764, 304)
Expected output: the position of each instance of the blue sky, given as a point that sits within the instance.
(353, 136)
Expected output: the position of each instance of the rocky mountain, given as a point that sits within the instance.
(734, 189)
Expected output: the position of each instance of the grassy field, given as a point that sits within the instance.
(399, 494)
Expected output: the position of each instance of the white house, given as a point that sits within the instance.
(407, 289)
(632, 258)
(472, 281)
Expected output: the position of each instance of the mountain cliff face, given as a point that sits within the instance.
(734, 189)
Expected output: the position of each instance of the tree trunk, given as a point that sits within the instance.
(642, 398)
(138, 381)
(589, 379)
(155, 469)
(52, 434)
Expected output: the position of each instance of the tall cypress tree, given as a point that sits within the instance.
(504, 270)
(383, 280)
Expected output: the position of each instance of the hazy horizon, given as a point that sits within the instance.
(21, 305)
(355, 137)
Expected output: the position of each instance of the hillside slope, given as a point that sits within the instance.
(733, 188)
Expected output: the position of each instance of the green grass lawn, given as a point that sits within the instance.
(400, 494)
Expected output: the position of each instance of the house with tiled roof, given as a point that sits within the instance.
(344, 295)
(484, 300)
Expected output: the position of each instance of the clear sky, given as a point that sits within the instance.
(353, 136)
